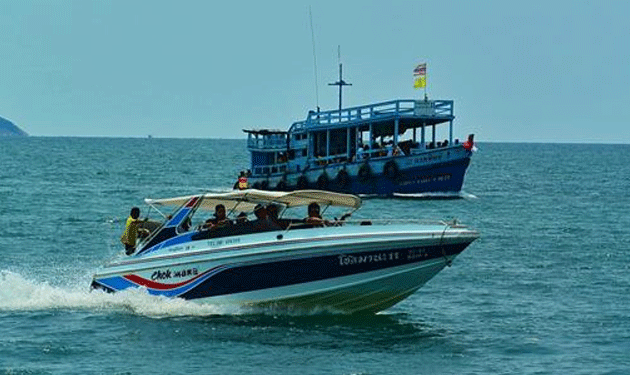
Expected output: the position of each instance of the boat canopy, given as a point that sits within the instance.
(246, 200)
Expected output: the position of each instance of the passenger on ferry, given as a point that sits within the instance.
(390, 149)
(360, 155)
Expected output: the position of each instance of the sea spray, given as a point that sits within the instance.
(18, 293)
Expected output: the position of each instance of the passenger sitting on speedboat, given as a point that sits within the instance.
(264, 219)
(315, 219)
(241, 218)
(219, 220)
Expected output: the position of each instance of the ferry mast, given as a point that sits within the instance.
(341, 82)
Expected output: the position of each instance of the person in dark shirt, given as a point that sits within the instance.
(220, 219)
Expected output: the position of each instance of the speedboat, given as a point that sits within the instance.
(338, 266)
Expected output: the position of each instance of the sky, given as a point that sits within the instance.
(518, 71)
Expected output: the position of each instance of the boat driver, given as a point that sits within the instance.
(132, 231)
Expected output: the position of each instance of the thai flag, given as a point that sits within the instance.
(420, 70)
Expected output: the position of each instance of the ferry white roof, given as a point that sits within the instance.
(246, 200)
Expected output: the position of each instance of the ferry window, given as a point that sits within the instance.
(304, 152)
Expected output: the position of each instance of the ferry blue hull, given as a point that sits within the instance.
(445, 177)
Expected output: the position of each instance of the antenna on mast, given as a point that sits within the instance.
(341, 82)
(310, 14)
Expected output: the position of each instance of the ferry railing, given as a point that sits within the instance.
(266, 143)
(371, 112)
(263, 170)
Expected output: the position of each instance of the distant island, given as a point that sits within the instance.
(9, 129)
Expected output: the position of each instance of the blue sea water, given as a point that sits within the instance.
(545, 290)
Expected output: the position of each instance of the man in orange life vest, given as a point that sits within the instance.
(242, 181)
(469, 144)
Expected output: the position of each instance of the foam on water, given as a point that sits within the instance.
(20, 294)
(437, 195)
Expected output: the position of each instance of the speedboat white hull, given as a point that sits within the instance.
(339, 269)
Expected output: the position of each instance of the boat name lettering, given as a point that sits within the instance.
(169, 274)
(427, 178)
(349, 260)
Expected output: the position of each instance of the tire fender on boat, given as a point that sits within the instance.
(391, 170)
(365, 172)
(322, 181)
(281, 186)
(343, 179)
(302, 182)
